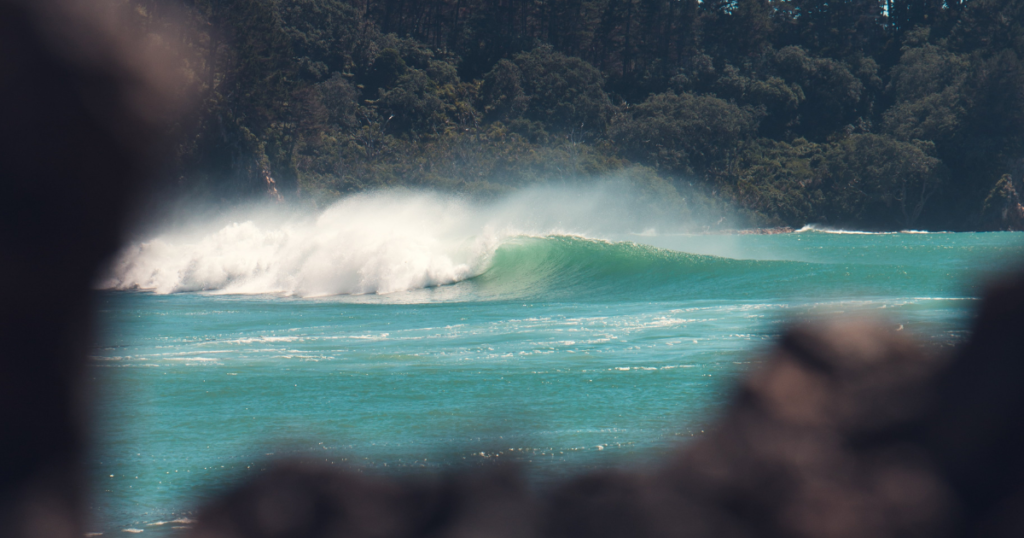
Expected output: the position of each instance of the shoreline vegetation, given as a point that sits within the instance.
(755, 114)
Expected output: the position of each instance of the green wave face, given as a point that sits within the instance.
(573, 267)
(564, 268)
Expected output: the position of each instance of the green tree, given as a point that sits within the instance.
(561, 92)
(833, 94)
(683, 133)
(927, 86)
(779, 183)
(876, 181)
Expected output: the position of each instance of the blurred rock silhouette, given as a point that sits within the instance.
(79, 115)
(848, 430)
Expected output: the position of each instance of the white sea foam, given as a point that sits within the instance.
(180, 521)
(373, 243)
(262, 339)
(827, 230)
(370, 244)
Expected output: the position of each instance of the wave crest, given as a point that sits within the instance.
(362, 245)
(373, 243)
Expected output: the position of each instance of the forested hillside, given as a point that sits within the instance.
(884, 114)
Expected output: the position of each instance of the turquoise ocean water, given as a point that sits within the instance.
(224, 348)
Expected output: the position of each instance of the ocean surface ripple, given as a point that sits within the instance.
(413, 332)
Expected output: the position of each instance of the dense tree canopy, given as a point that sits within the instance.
(868, 113)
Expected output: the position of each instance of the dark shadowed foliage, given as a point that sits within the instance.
(438, 83)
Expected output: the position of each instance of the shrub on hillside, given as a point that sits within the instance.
(683, 133)
(561, 92)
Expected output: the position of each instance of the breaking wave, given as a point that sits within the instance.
(376, 243)
(547, 244)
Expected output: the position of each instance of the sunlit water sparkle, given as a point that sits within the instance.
(562, 352)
